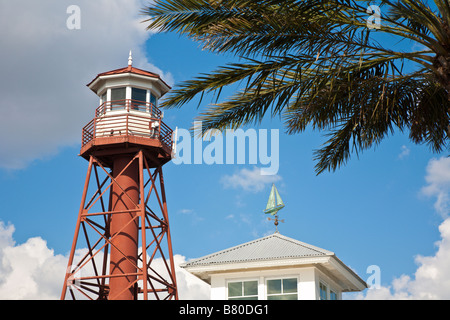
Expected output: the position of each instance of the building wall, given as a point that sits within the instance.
(308, 279)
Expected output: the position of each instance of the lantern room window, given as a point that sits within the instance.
(153, 100)
(128, 98)
(103, 97)
(138, 99)
(118, 96)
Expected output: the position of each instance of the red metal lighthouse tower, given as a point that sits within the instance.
(122, 246)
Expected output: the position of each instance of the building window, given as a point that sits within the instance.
(153, 99)
(153, 106)
(102, 109)
(323, 291)
(103, 97)
(118, 96)
(282, 289)
(139, 98)
(243, 290)
(333, 295)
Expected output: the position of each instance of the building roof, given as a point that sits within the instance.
(278, 251)
(130, 70)
(274, 246)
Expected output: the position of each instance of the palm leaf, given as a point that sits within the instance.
(315, 63)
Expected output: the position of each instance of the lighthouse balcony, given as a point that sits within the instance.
(127, 121)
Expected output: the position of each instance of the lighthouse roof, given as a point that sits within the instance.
(131, 71)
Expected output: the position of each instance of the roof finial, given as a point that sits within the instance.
(130, 59)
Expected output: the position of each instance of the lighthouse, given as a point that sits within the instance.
(122, 230)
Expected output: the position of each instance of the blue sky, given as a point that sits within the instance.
(379, 209)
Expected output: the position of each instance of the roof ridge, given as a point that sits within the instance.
(307, 245)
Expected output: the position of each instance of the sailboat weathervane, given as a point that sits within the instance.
(274, 204)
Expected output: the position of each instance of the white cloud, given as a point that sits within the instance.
(249, 180)
(33, 271)
(438, 184)
(195, 218)
(6, 232)
(432, 277)
(404, 152)
(189, 286)
(45, 68)
(29, 270)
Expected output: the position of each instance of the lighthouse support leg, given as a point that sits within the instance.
(127, 239)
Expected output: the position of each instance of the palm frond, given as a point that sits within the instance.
(315, 63)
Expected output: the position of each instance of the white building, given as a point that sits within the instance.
(275, 267)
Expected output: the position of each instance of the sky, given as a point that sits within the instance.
(387, 208)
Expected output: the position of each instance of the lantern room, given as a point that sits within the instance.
(118, 88)
(128, 110)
